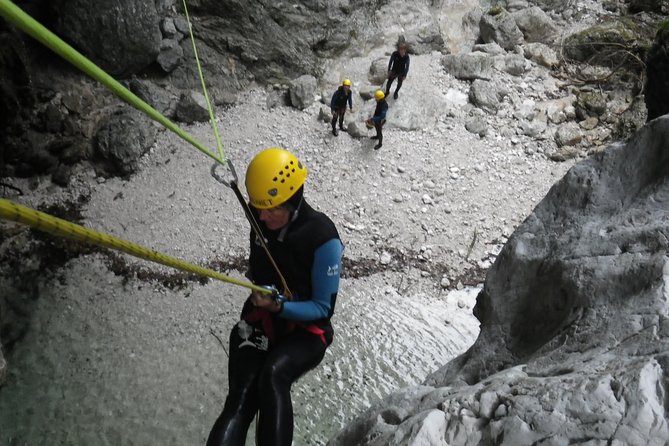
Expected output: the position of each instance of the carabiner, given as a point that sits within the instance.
(231, 168)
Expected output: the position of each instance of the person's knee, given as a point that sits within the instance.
(272, 376)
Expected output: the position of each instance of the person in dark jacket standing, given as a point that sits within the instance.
(279, 339)
(398, 68)
(338, 104)
(379, 118)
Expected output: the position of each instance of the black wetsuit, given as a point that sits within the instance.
(338, 106)
(379, 119)
(398, 68)
(269, 351)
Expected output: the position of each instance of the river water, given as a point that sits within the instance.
(111, 361)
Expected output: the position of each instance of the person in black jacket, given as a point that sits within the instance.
(279, 339)
(398, 68)
(379, 118)
(338, 104)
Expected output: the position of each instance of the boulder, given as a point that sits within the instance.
(487, 95)
(157, 97)
(541, 54)
(498, 25)
(378, 71)
(121, 43)
(469, 66)
(574, 341)
(536, 25)
(568, 134)
(122, 138)
(303, 91)
(590, 104)
(170, 54)
(192, 107)
(477, 126)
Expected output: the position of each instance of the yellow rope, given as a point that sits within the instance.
(56, 226)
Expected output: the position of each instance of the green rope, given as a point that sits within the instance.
(204, 87)
(27, 24)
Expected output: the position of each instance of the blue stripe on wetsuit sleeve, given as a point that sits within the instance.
(324, 283)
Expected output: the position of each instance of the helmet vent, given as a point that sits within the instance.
(275, 179)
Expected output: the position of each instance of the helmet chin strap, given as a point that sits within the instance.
(294, 213)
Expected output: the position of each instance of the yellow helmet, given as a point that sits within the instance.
(346, 83)
(273, 176)
(379, 95)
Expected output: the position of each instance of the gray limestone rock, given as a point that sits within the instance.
(192, 107)
(468, 66)
(541, 54)
(568, 134)
(574, 342)
(477, 125)
(378, 71)
(157, 97)
(302, 91)
(487, 95)
(536, 25)
(122, 138)
(170, 55)
(120, 43)
(498, 25)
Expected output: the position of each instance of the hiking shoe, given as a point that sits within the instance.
(395, 95)
(374, 137)
(377, 147)
(334, 132)
(342, 128)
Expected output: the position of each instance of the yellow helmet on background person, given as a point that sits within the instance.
(273, 176)
(346, 83)
(379, 95)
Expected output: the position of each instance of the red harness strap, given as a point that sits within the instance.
(265, 319)
(314, 329)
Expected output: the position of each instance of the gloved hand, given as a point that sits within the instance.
(271, 302)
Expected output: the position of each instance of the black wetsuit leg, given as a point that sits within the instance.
(244, 366)
(391, 78)
(338, 115)
(379, 130)
(400, 79)
(292, 357)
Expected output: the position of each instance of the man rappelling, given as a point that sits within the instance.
(280, 337)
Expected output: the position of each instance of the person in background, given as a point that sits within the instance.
(279, 339)
(398, 68)
(338, 104)
(379, 117)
